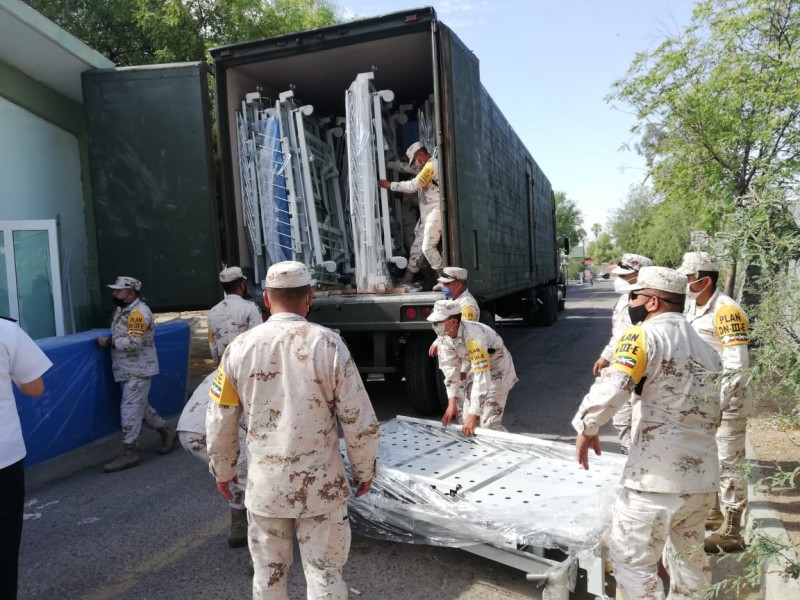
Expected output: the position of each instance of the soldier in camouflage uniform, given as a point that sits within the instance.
(291, 381)
(453, 284)
(626, 271)
(477, 367)
(232, 316)
(672, 471)
(429, 229)
(722, 324)
(134, 362)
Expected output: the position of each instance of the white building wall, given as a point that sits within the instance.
(40, 173)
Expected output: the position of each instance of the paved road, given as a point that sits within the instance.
(158, 531)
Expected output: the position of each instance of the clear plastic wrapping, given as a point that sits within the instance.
(436, 486)
(369, 212)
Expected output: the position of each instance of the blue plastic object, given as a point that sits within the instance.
(81, 399)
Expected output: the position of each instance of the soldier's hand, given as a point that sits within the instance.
(384, 184)
(582, 445)
(451, 414)
(600, 364)
(433, 350)
(224, 488)
(363, 488)
(102, 341)
(470, 423)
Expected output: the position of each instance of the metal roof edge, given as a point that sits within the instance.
(46, 28)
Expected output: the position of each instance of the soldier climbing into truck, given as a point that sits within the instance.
(428, 231)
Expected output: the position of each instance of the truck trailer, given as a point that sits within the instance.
(160, 214)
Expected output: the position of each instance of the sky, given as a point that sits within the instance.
(549, 64)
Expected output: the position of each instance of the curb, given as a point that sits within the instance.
(767, 520)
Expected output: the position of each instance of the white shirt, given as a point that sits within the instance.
(21, 361)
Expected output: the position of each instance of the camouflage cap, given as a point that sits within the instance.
(631, 263)
(231, 274)
(693, 262)
(412, 151)
(288, 274)
(126, 283)
(450, 274)
(443, 310)
(660, 278)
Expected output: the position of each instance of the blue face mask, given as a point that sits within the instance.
(447, 293)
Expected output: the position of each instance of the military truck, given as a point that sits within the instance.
(159, 214)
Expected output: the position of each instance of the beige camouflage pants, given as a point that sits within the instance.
(648, 526)
(427, 234)
(195, 444)
(491, 416)
(324, 545)
(730, 449)
(134, 408)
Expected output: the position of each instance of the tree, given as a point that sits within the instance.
(596, 229)
(108, 26)
(569, 219)
(603, 249)
(719, 110)
(133, 32)
(629, 223)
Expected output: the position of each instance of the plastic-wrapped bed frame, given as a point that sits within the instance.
(517, 500)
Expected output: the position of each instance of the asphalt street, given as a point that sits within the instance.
(158, 531)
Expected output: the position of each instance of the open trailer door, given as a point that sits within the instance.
(153, 190)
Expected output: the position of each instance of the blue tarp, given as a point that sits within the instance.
(81, 399)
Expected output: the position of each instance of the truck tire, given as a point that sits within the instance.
(424, 380)
(548, 307)
(487, 318)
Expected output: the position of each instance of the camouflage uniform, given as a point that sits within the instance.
(428, 231)
(134, 362)
(228, 319)
(192, 434)
(290, 380)
(478, 371)
(723, 325)
(671, 474)
(620, 321)
(470, 311)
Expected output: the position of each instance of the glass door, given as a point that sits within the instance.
(30, 281)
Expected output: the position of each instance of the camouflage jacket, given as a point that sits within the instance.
(134, 352)
(620, 321)
(291, 380)
(228, 319)
(673, 372)
(477, 355)
(470, 311)
(426, 181)
(723, 325)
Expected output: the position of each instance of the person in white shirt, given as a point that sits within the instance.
(21, 363)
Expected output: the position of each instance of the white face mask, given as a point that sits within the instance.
(620, 285)
(690, 295)
(439, 329)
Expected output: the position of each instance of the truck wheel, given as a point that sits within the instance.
(424, 380)
(562, 301)
(487, 318)
(548, 309)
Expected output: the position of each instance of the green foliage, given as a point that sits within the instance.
(781, 479)
(569, 219)
(108, 26)
(719, 118)
(603, 249)
(133, 32)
